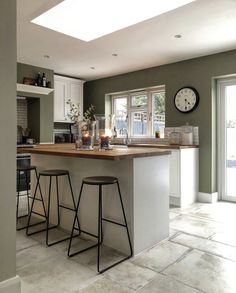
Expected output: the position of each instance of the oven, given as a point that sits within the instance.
(62, 136)
(23, 160)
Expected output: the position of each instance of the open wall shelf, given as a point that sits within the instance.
(33, 89)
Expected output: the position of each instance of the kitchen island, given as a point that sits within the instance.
(143, 174)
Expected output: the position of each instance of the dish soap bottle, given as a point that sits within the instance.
(157, 133)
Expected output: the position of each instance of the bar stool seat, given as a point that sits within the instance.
(27, 170)
(100, 181)
(53, 173)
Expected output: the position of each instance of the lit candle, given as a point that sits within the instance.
(104, 142)
(86, 140)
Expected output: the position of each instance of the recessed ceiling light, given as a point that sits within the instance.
(81, 20)
(114, 55)
(92, 67)
(178, 36)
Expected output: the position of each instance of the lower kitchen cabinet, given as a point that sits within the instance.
(64, 89)
(184, 176)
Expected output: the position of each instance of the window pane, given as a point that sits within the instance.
(120, 111)
(139, 123)
(138, 101)
(158, 104)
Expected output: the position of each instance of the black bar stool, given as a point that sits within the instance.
(51, 174)
(100, 181)
(26, 170)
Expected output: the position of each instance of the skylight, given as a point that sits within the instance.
(90, 19)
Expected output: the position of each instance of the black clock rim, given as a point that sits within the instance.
(197, 99)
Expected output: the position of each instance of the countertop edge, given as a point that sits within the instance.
(103, 155)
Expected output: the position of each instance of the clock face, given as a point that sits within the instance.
(186, 99)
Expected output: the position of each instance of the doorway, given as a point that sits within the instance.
(227, 139)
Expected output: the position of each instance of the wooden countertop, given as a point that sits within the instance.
(163, 146)
(68, 150)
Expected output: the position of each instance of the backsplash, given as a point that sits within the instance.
(22, 114)
(167, 138)
(179, 130)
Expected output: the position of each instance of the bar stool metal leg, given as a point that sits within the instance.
(32, 206)
(18, 194)
(78, 229)
(126, 225)
(99, 226)
(48, 213)
(73, 199)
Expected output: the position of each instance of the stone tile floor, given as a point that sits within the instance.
(199, 256)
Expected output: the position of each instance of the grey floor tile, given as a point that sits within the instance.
(34, 254)
(23, 242)
(49, 270)
(56, 275)
(164, 284)
(207, 245)
(54, 234)
(173, 215)
(190, 209)
(205, 272)
(227, 237)
(104, 285)
(223, 212)
(108, 256)
(130, 275)
(161, 256)
(196, 226)
(172, 232)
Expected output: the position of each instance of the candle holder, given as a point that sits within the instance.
(86, 134)
(104, 130)
(104, 142)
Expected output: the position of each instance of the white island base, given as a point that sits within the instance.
(144, 183)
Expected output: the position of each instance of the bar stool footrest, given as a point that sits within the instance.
(66, 207)
(85, 232)
(113, 222)
(42, 230)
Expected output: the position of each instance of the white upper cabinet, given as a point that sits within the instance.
(64, 89)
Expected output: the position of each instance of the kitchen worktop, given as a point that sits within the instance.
(163, 146)
(114, 154)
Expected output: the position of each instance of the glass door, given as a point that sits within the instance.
(227, 139)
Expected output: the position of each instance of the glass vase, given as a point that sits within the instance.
(86, 135)
(104, 130)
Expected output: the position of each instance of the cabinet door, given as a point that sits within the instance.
(75, 94)
(60, 95)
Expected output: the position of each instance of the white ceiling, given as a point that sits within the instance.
(206, 26)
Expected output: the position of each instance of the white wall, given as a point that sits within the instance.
(7, 140)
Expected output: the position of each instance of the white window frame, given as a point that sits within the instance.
(128, 95)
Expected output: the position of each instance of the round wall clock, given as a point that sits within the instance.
(186, 99)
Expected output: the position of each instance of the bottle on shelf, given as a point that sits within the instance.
(39, 80)
(44, 80)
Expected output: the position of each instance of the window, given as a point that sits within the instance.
(140, 112)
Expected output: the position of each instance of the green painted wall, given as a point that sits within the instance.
(8, 139)
(45, 121)
(199, 73)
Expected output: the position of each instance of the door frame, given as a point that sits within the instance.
(221, 137)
